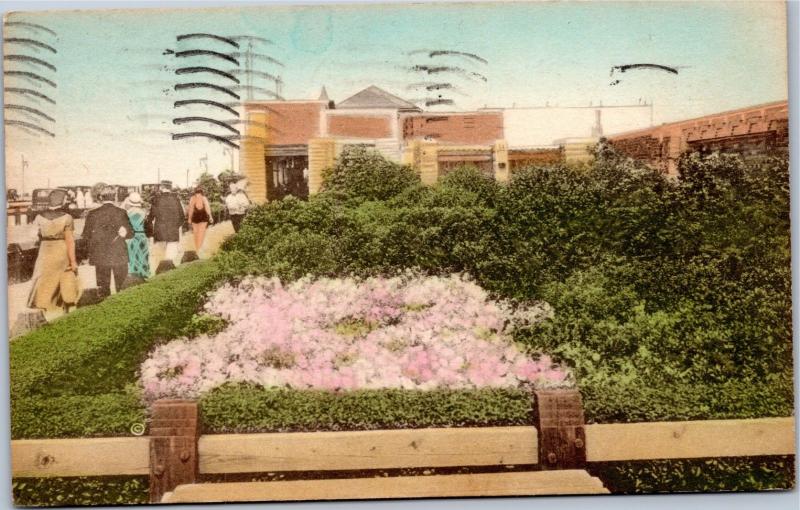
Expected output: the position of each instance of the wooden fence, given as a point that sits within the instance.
(553, 453)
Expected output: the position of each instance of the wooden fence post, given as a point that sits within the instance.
(560, 425)
(174, 432)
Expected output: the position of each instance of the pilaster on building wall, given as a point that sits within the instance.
(579, 150)
(251, 156)
(428, 162)
(502, 170)
(321, 155)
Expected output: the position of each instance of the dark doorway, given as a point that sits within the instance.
(287, 175)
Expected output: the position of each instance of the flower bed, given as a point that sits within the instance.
(408, 332)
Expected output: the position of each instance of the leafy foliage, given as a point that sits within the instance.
(682, 285)
(671, 298)
(109, 414)
(98, 349)
(246, 408)
(365, 173)
(701, 475)
(81, 491)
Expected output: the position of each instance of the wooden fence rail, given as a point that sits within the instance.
(690, 439)
(175, 454)
(372, 449)
(313, 451)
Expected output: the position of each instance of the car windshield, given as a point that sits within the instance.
(42, 193)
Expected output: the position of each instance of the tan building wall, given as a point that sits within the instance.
(321, 155)
(251, 156)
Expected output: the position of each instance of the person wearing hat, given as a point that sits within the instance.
(237, 204)
(56, 256)
(138, 248)
(106, 229)
(164, 222)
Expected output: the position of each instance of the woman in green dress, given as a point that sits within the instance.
(138, 246)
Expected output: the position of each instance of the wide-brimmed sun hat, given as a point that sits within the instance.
(57, 198)
(134, 199)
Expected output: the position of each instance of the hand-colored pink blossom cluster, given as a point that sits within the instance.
(409, 332)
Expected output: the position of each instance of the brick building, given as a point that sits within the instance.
(755, 130)
(289, 143)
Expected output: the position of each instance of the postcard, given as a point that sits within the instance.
(363, 251)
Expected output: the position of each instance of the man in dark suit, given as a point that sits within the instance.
(165, 221)
(105, 231)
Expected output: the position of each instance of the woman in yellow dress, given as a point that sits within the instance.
(56, 255)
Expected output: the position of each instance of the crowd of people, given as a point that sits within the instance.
(118, 239)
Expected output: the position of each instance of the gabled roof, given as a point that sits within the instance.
(374, 97)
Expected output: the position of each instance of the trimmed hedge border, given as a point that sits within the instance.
(637, 402)
(81, 491)
(697, 475)
(106, 415)
(247, 408)
(98, 349)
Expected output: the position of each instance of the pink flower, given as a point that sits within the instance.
(338, 334)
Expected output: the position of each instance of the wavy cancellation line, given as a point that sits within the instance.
(28, 58)
(204, 69)
(184, 120)
(198, 134)
(29, 109)
(215, 104)
(30, 92)
(226, 40)
(29, 125)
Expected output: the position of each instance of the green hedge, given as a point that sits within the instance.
(637, 401)
(98, 349)
(697, 475)
(110, 414)
(672, 297)
(246, 408)
(95, 491)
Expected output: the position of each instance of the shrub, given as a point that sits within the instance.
(81, 491)
(247, 408)
(98, 349)
(697, 475)
(110, 414)
(360, 172)
(657, 282)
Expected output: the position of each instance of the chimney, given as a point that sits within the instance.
(597, 129)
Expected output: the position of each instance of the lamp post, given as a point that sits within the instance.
(229, 150)
(24, 164)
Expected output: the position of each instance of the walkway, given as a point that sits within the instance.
(18, 293)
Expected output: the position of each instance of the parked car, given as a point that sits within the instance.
(40, 201)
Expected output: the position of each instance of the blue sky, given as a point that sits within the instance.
(113, 117)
